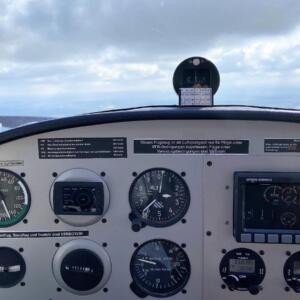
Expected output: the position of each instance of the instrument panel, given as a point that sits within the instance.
(175, 209)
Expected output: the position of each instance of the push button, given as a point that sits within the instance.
(273, 238)
(246, 238)
(286, 239)
(297, 239)
(259, 238)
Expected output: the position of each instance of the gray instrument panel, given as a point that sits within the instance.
(208, 227)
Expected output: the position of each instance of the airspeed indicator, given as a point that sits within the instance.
(14, 198)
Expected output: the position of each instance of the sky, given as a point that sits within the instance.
(68, 57)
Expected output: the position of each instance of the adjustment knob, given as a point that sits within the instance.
(296, 285)
(254, 289)
(297, 289)
(232, 282)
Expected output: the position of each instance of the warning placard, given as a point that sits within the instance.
(282, 145)
(112, 147)
(191, 146)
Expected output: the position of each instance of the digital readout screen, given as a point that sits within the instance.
(296, 267)
(242, 265)
(79, 199)
(271, 206)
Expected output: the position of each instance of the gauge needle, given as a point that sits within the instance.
(147, 261)
(148, 206)
(5, 208)
(161, 182)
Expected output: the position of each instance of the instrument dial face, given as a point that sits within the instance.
(159, 197)
(242, 268)
(14, 198)
(288, 219)
(290, 195)
(82, 270)
(160, 268)
(12, 267)
(273, 194)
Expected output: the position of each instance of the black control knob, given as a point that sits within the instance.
(255, 289)
(232, 282)
(297, 288)
(294, 283)
(137, 224)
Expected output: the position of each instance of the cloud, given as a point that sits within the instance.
(110, 52)
(57, 30)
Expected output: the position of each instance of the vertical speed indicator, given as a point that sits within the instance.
(14, 198)
(158, 197)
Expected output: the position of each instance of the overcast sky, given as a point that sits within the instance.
(64, 57)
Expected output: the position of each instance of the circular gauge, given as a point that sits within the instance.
(79, 197)
(81, 266)
(12, 267)
(291, 271)
(288, 219)
(273, 194)
(290, 195)
(82, 270)
(14, 198)
(159, 268)
(243, 270)
(159, 197)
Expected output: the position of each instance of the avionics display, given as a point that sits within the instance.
(267, 207)
(272, 206)
(78, 198)
(241, 266)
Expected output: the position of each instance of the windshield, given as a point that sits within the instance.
(61, 58)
